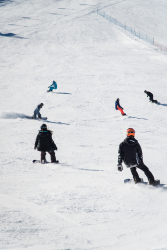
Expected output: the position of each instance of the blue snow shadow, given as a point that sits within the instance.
(86, 169)
(62, 93)
(5, 2)
(12, 35)
(137, 118)
(60, 123)
(162, 104)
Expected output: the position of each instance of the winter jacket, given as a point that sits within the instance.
(130, 152)
(44, 142)
(149, 94)
(36, 111)
(117, 104)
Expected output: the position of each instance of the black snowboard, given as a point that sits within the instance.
(42, 118)
(132, 181)
(38, 161)
(163, 186)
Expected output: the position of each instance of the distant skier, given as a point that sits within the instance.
(37, 111)
(150, 96)
(130, 153)
(45, 143)
(118, 107)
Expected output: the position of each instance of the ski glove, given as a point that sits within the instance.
(120, 167)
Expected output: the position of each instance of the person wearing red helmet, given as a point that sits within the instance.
(130, 153)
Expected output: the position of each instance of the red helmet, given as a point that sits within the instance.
(130, 132)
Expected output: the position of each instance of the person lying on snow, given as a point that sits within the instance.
(45, 143)
(118, 107)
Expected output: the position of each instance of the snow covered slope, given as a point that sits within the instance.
(82, 203)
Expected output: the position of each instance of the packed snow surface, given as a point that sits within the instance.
(81, 203)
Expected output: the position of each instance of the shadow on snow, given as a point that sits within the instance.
(12, 35)
(62, 93)
(137, 118)
(61, 123)
(86, 169)
(162, 104)
(13, 115)
(5, 2)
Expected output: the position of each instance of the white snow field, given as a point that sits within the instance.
(81, 203)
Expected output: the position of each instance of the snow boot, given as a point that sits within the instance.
(55, 161)
(138, 180)
(43, 161)
(154, 182)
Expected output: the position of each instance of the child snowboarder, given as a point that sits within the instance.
(130, 153)
(118, 107)
(37, 111)
(150, 96)
(45, 143)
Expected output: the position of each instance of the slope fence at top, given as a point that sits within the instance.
(133, 31)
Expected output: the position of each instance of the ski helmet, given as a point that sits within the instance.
(43, 127)
(130, 132)
(145, 91)
(41, 104)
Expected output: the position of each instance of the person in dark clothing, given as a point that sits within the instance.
(37, 111)
(118, 107)
(130, 153)
(150, 96)
(45, 143)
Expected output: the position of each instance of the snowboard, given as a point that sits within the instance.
(163, 186)
(132, 181)
(42, 118)
(38, 161)
(155, 102)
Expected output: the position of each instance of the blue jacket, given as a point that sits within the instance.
(117, 104)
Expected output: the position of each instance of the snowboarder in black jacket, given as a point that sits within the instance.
(130, 153)
(45, 143)
(150, 96)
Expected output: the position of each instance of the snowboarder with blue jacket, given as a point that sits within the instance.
(118, 107)
(37, 111)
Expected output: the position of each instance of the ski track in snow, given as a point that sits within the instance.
(81, 203)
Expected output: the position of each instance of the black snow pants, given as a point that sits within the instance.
(52, 156)
(151, 99)
(145, 169)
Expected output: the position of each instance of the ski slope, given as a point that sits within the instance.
(81, 203)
